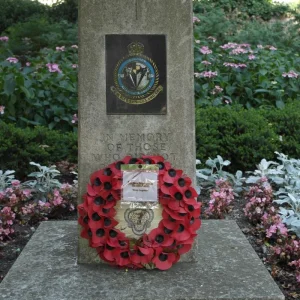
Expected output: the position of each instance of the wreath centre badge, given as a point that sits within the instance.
(136, 77)
(136, 74)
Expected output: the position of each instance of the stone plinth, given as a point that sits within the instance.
(105, 138)
(227, 268)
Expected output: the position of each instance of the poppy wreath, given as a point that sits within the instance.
(162, 247)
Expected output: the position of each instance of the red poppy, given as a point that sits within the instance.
(157, 238)
(160, 161)
(81, 210)
(99, 181)
(94, 219)
(181, 232)
(183, 182)
(163, 260)
(117, 239)
(108, 253)
(194, 209)
(176, 215)
(195, 224)
(172, 175)
(165, 188)
(122, 256)
(189, 195)
(116, 167)
(100, 251)
(142, 255)
(177, 199)
(168, 221)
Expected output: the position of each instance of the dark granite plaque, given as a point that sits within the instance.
(136, 74)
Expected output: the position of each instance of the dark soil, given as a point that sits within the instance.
(10, 250)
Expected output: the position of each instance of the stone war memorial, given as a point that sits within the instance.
(139, 234)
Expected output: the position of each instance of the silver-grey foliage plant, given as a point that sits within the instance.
(6, 178)
(207, 177)
(286, 176)
(44, 180)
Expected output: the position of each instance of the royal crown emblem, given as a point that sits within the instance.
(136, 77)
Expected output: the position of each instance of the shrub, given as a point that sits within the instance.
(13, 11)
(259, 76)
(42, 90)
(28, 38)
(242, 136)
(64, 10)
(19, 147)
(263, 9)
(286, 124)
(220, 199)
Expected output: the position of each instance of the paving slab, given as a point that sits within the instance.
(227, 268)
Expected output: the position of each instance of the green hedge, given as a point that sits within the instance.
(19, 146)
(246, 136)
(13, 11)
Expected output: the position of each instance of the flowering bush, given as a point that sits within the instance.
(259, 198)
(250, 75)
(19, 205)
(7, 217)
(220, 199)
(40, 90)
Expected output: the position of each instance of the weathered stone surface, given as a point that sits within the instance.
(227, 268)
(106, 138)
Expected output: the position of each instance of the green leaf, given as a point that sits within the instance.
(29, 93)
(263, 72)
(249, 92)
(279, 104)
(9, 84)
(261, 91)
(197, 87)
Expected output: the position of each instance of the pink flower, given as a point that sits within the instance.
(62, 48)
(196, 19)
(233, 65)
(4, 38)
(74, 119)
(242, 66)
(28, 64)
(272, 48)
(2, 109)
(217, 89)
(15, 182)
(74, 66)
(229, 46)
(41, 203)
(9, 190)
(205, 50)
(212, 38)
(12, 60)
(27, 193)
(208, 74)
(245, 45)
(282, 228)
(238, 51)
(206, 63)
(53, 68)
(271, 230)
(74, 46)
(251, 57)
(290, 74)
